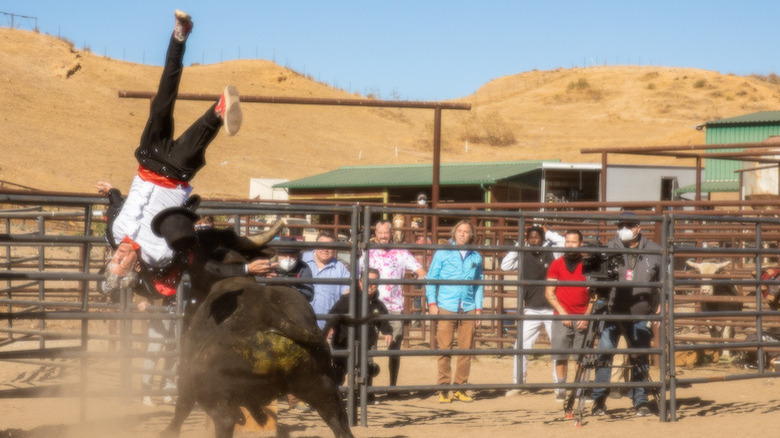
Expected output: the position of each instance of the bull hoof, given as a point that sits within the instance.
(169, 433)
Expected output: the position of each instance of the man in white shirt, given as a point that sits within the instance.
(166, 165)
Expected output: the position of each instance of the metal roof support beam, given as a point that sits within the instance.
(436, 157)
(677, 148)
(698, 179)
(758, 152)
(436, 180)
(436, 106)
(603, 177)
(309, 100)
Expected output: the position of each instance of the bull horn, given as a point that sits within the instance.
(263, 238)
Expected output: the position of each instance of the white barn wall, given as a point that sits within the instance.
(643, 183)
(262, 188)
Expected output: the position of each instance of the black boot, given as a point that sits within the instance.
(393, 364)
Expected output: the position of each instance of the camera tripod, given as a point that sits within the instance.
(587, 362)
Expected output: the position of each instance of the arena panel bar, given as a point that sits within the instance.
(17, 239)
(310, 100)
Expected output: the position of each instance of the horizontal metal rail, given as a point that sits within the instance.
(309, 100)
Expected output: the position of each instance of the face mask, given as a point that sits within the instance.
(625, 234)
(287, 264)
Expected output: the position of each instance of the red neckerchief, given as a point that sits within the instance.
(167, 285)
(160, 180)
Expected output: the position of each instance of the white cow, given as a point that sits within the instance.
(709, 268)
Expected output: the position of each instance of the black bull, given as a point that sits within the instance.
(248, 344)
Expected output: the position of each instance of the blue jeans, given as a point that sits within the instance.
(639, 336)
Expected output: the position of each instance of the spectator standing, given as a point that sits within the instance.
(455, 264)
(324, 264)
(392, 264)
(638, 300)
(567, 300)
(204, 223)
(340, 339)
(291, 266)
(535, 266)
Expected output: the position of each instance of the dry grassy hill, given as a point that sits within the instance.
(63, 126)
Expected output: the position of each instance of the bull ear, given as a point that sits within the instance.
(263, 238)
(224, 306)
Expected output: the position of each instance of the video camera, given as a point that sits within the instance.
(602, 267)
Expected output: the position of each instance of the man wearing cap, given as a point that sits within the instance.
(291, 266)
(166, 165)
(639, 300)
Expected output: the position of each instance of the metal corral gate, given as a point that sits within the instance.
(53, 250)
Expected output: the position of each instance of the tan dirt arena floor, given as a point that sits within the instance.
(745, 408)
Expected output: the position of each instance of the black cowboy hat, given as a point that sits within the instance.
(287, 239)
(177, 226)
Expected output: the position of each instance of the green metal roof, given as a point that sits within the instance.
(710, 186)
(761, 117)
(747, 128)
(450, 174)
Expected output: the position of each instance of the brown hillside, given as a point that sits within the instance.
(63, 126)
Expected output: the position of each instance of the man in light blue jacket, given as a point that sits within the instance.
(448, 299)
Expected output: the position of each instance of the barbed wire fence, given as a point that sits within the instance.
(16, 21)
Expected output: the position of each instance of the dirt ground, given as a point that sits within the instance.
(737, 408)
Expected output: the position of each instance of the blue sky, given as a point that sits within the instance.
(421, 49)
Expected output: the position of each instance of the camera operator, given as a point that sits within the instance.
(630, 301)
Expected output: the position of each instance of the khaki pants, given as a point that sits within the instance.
(445, 332)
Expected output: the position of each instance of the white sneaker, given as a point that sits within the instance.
(147, 401)
(513, 392)
(560, 395)
(168, 400)
(229, 110)
(183, 26)
(302, 407)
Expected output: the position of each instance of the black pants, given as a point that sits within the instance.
(158, 151)
(341, 369)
